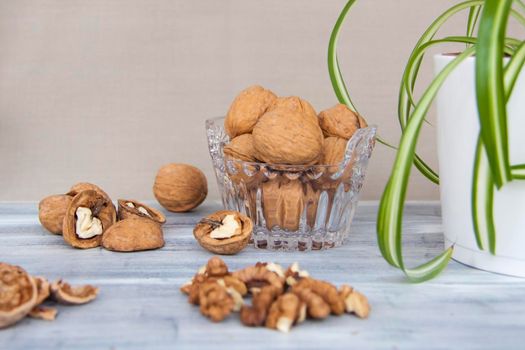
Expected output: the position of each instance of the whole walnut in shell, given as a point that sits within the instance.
(133, 234)
(283, 203)
(246, 109)
(241, 148)
(334, 149)
(88, 216)
(294, 103)
(339, 121)
(217, 235)
(180, 187)
(51, 212)
(18, 294)
(287, 137)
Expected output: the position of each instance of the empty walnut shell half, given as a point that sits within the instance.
(130, 208)
(18, 294)
(51, 212)
(225, 246)
(64, 293)
(97, 207)
(133, 234)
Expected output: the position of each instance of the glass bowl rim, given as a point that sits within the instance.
(351, 143)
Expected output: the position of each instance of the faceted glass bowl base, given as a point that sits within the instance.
(293, 207)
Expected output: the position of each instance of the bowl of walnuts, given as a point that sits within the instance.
(297, 174)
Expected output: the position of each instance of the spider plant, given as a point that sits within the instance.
(495, 80)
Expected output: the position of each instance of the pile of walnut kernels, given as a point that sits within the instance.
(280, 298)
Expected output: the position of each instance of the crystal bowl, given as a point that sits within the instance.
(293, 207)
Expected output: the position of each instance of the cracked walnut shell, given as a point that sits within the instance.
(130, 208)
(51, 212)
(18, 294)
(43, 289)
(339, 121)
(64, 293)
(287, 137)
(231, 242)
(180, 187)
(246, 110)
(133, 234)
(84, 186)
(93, 205)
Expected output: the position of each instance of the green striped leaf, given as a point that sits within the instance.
(473, 17)
(406, 99)
(490, 88)
(334, 71)
(483, 201)
(390, 216)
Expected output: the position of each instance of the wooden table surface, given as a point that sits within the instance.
(140, 305)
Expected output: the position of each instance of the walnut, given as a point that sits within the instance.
(133, 234)
(255, 315)
(256, 277)
(43, 313)
(85, 186)
(326, 290)
(18, 294)
(194, 289)
(241, 148)
(315, 305)
(246, 110)
(355, 302)
(180, 187)
(295, 103)
(285, 312)
(214, 271)
(275, 268)
(225, 232)
(311, 200)
(235, 283)
(64, 293)
(286, 137)
(238, 301)
(131, 208)
(51, 212)
(339, 121)
(216, 267)
(294, 274)
(334, 149)
(87, 217)
(43, 289)
(283, 203)
(362, 122)
(215, 302)
(219, 293)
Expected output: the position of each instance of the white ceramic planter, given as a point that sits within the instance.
(458, 130)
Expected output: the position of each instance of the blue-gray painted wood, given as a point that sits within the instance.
(140, 306)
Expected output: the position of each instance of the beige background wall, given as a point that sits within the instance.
(107, 91)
